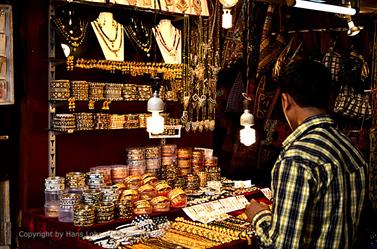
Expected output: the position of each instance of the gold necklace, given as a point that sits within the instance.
(173, 50)
(74, 41)
(132, 35)
(99, 28)
(106, 39)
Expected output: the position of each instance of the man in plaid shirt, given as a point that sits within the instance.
(319, 178)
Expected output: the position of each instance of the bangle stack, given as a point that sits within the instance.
(160, 204)
(142, 207)
(104, 212)
(92, 196)
(131, 121)
(75, 180)
(96, 91)
(66, 205)
(64, 122)
(119, 173)
(203, 178)
(153, 152)
(192, 182)
(95, 180)
(83, 215)
(213, 170)
(102, 121)
(133, 181)
(54, 183)
(105, 171)
(80, 90)
(127, 195)
(84, 121)
(59, 89)
(124, 210)
(143, 120)
(130, 92)
(109, 194)
(147, 192)
(117, 121)
(113, 91)
(145, 92)
(197, 161)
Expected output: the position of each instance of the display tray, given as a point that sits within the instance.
(39, 231)
(238, 244)
(39, 226)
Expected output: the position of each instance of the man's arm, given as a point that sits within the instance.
(282, 228)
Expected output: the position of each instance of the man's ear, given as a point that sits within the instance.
(285, 101)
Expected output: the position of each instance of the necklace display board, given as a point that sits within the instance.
(191, 7)
(169, 41)
(110, 36)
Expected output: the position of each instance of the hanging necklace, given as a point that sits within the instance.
(131, 32)
(74, 40)
(106, 39)
(173, 50)
(99, 26)
(186, 87)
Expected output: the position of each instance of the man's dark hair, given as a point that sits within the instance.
(308, 82)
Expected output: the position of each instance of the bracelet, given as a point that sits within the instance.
(59, 89)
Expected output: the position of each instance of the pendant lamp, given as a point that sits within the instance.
(155, 105)
(227, 16)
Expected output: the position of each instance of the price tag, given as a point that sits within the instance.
(170, 131)
(267, 192)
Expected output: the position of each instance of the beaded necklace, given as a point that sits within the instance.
(134, 37)
(99, 28)
(74, 41)
(173, 50)
(106, 39)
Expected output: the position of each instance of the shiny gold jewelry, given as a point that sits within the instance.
(70, 63)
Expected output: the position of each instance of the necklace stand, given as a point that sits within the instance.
(109, 34)
(168, 39)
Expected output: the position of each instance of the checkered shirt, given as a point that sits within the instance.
(333, 61)
(318, 185)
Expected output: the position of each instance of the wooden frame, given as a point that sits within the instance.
(6, 55)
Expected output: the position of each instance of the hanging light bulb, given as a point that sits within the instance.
(247, 134)
(352, 28)
(155, 123)
(227, 16)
